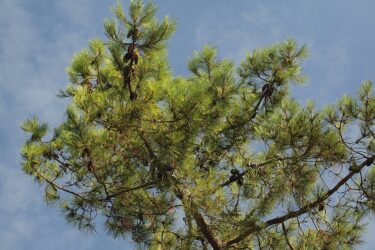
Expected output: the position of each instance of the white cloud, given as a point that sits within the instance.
(264, 24)
(27, 88)
(32, 69)
(236, 35)
(17, 194)
(32, 63)
(332, 63)
(77, 11)
(26, 222)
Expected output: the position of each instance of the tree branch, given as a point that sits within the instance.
(202, 224)
(206, 230)
(254, 112)
(301, 211)
(286, 236)
(144, 185)
(198, 217)
(58, 186)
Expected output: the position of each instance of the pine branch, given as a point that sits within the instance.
(254, 112)
(206, 230)
(286, 236)
(52, 183)
(144, 185)
(301, 211)
(202, 223)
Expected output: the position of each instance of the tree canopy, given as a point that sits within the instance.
(223, 158)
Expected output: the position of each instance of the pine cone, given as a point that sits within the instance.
(90, 166)
(135, 57)
(131, 48)
(267, 89)
(127, 57)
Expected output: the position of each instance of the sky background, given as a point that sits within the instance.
(39, 37)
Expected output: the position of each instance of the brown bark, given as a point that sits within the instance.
(207, 231)
(202, 223)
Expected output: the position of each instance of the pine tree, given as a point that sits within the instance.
(223, 158)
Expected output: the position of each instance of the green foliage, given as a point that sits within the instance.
(36, 129)
(223, 158)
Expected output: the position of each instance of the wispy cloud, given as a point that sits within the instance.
(16, 195)
(76, 11)
(32, 67)
(262, 24)
(236, 35)
(333, 63)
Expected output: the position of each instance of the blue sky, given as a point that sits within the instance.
(39, 37)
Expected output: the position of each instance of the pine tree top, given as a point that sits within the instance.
(223, 157)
